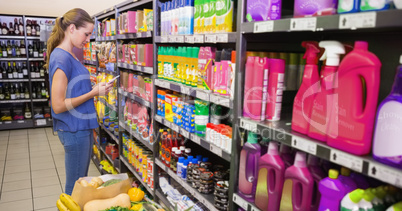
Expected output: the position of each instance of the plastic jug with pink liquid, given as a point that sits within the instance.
(352, 120)
(271, 174)
(298, 186)
(248, 167)
(332, 192)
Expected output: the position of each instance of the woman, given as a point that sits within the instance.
(73, 109)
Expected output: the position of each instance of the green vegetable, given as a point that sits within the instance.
(118, 208)
(111, 182)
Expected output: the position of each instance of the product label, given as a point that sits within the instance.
(286, 199)
(261, 196)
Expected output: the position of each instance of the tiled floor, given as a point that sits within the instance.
(32, 172)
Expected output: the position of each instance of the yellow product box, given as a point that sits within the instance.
(169, 98)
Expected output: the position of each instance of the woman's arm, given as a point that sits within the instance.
(59, 87)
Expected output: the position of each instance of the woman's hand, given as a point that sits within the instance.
(101, 89)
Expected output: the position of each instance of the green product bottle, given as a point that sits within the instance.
(351, 201)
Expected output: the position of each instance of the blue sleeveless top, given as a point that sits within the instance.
(82, 117)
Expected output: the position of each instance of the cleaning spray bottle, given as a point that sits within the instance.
(344, 177)
(248, 167)
(352, 121)
(321, 111)
(387, 132)
(332, 191)
(298, 186)
(365, 204)
(351, 201)
(318, 174)
(396, 207)
(271, 173)
(303, 102)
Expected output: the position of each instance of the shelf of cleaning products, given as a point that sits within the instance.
(135, 98)
(13, 80)
(243, 203)
(136, 135)
(90, 62)
(149, 70)
(109, 38)
(13, 59)
(40, 100)
(132, 170)
(195, 92)
(16, 124)
(11, 37)
(15, 101)
(110, 133)
(198, 38)
(352, 21)
(147, 34)
(193, 137)
(281, 131)
(36, 59)
(109, 158)
(163, 199)
(103, 70)
(206, 199)
(129, 4)
(38, 79)
(113, 107)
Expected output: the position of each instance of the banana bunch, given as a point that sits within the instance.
(66, 203)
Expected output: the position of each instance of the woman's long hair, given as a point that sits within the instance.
(77, 16)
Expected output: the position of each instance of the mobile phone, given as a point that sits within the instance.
(113, 79)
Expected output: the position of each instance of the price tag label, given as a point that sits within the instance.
(385, 174)
(138, 34)
(304, 145)
(196, 139)
(303, 24)
(198, 38)
(240, 201)
(41, 122)
(358, 20)
(168, 124)
(172, 39)
(148, 33)
(185, 133)
(7, 122)
(265, 26)
(164, 39)
(210, 38)
(214, 99)
(175, 128)
(222, 38)
(216, 150)
(158, 118)
(347, 160)
(20, 121)
(250, 126)
(185, 90)
(189, 39)
(202, 95)
(180, 39)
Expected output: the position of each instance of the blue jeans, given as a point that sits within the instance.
(78, 150)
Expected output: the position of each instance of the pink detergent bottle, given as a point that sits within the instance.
(298, 186)
(248, 167)
(352, 121)
(271, 173)
(248, 85)
(332, 192)
(318, 174)
(303, 102)
(287, 155)
(321, 111)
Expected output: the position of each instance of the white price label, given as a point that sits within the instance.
(347, 160)
(167, 123)
(185, 133)
(210, 38)
(180, 39)
(158, 118)
(202, 95)
(139, 34)
(20, 121)
(175, 128)
(189, 39)
(198, 38)
(304, 145)
(214, 99)
(149, 33)
(41, 122)
(250, 126)
(240, 201)
(266, 26)
(222, 38)
(358, 20)
(164, 39)
(196, 139)
(172, 39)
(385, 174)
(216, 150)
(185, 90)
(303, 24)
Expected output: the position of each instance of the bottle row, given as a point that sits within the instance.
(319, 184)
(24, 112)
(20, 71)
(17, 91)
(17, 49)
(33, 28)
(135, 21)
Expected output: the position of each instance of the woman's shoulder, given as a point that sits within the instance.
(59, 56)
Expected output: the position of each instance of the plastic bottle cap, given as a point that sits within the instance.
(356, 195)
(182, 148)
(181, 159)
(369, 191)
(312, 50)
(186, 162)
(273, 148)
(188, 150)
(368, 196)
(174, 149)
(277, 65)
(380, 192)
(252, 138)
(361, 45)
(300, 160)
(194, 160)
(333, 50)
(333, 174)
(345, 171)
(398, 206)
(205, 159)
(190, 157)
(178, 152)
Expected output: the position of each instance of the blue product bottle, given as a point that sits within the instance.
(189, 17)
(184, 170)
(387, 133)
(348, 6)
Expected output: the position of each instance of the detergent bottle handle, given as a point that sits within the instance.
(371, 91)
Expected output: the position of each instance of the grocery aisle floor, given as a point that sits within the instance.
(32, 174)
